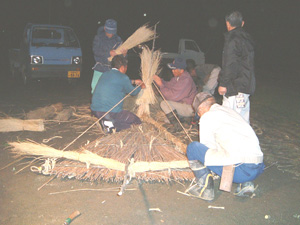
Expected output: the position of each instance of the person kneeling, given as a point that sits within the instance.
(112, 87)
(178, 94)
(226, 140)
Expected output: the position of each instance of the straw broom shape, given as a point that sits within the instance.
(88, 157)
(14, 124)
(155, 158)
(141, 35)
(150, 62)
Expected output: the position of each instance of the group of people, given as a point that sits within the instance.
(226, 137)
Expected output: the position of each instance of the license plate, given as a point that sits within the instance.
(73, 74)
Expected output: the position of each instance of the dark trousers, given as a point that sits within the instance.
(121, 120)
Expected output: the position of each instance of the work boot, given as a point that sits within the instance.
(107, 126)
(245, 189)
(204, 187)
(186, 122)
(174, 124)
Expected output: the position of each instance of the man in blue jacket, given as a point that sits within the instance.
(104, 45)
(112, 87)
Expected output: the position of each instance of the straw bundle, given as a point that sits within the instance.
(65, 114)
(141, 35)
(152, 157)
(45, 112)
(29, 148)
(13, 124)
(150, 62)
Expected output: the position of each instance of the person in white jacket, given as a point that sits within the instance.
(225, 139)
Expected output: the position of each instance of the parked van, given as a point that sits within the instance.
(187, 49)
(47, 52)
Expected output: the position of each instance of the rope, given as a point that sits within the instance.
(100, 118)
(45, 168)
(172, 112)
(49, 139)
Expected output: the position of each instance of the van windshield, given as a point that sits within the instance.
(54, 37)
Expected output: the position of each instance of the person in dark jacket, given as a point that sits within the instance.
(237, 78)
(104, 45)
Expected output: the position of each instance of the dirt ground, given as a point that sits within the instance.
(275, 115)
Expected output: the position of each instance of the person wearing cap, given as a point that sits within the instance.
(225, 139)
(178, 93)
(104, 45)
(111, 89)
(205, 76)
(237, 78)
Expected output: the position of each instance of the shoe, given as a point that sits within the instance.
(174, 126)
(245, 189)
(107, 126)
(203, 189)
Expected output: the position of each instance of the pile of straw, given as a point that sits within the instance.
(150, 62)
(152, 157)
(13, 124)
(65, 114)
(46, 112)
(141, 35)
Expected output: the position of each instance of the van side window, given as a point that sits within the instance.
(190, 45)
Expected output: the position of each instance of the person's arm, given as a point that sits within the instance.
(157, 80)
(230, 65)
(140, 82)
(119, 43)
(174, 90)
(222, 90)
(128, 86)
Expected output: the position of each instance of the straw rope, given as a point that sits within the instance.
(173, 112)
(85, 156)
(97, 121)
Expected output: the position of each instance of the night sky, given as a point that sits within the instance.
(274, 24)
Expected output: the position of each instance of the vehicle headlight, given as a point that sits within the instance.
(76, 60)
(36, 59)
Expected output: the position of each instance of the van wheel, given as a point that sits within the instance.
(12, 72)
(72, 82)
(25, 78)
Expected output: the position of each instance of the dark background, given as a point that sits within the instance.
(274, 24)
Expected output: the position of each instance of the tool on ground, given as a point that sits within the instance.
(71, 217)
(226, 178)
(127, 177)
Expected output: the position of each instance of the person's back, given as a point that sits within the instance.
(224, 129)
(107, 100)
(112, 88)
